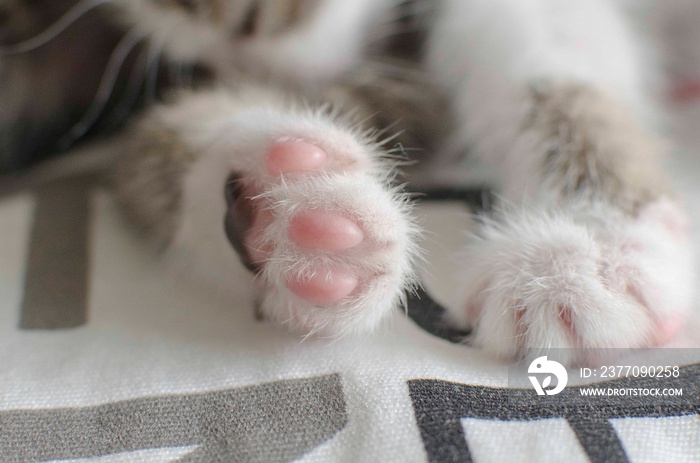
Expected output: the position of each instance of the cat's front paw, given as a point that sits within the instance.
(330, 242)
(542, 280)
(309, 209)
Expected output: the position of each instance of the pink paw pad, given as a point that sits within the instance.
(324, 230)
(294, 156)
(325, 287)
(316, 229)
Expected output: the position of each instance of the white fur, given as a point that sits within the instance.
(488, 52)
(232, 134)
(183, 38)
(615, 278)
(329, 42)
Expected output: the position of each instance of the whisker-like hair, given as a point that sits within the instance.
(106, 88)
(152, 72)
(65, 21)
(136, 81)
(155, 54)
(403, 18)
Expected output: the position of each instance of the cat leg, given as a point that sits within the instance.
(302, 196)
(598, 256)
(590, 249)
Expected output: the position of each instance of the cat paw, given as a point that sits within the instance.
(330, 243)
(312, 229)
(539, 280)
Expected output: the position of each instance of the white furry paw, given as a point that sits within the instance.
(317, 228)
(590, 280)
(330, 243)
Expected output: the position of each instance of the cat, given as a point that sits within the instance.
(288, 141)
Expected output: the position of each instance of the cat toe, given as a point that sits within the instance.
(325, 231)
(294, 156)
(325, 286)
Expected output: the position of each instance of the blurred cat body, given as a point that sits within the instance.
(552, 94)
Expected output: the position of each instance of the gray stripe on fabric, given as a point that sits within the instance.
(275, 422)
(56, 281)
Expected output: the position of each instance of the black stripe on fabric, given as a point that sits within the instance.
(440, 406)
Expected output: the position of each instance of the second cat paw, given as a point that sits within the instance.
(578, 282)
